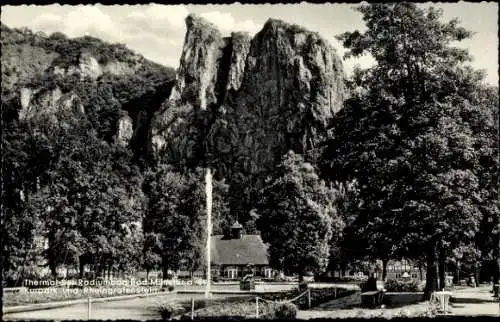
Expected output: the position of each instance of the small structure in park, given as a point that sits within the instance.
(232, 254)
(401, 269)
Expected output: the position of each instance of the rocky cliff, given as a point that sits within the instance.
(239, 103)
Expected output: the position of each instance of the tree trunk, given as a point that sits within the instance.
(147, 274)
(82, 267)
(384, 269)
(442, 273)
(431, 278)
(98, 270)
(496, 279)
(164, 269)
(301, 275)
(53, 269)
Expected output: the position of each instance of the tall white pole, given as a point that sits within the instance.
(208, 183)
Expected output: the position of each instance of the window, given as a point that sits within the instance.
(268, 272)
(232, 273)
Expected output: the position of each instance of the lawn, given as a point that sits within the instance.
(422, 309)
(245, 306)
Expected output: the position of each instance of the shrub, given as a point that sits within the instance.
(234, 309)
(318, 296)
(285, 311)
(351, 279)
(169, 310)
(402, 286)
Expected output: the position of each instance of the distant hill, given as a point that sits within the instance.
(42, 74)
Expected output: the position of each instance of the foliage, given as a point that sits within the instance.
(406, 136)
(169, 310)
(87, 171)
(284, 311)
(177, 214)
(298, 217)
(318, 296)
(393, 285)
(64, 178)
(239, 309)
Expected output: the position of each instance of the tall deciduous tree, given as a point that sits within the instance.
(405, 133)
(298, 217)
(176, 215)
(89, 197)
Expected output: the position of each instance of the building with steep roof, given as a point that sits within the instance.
(234, 253)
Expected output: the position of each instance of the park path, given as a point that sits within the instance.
(132, 309)
(142, 308)
(135, 309)
(473, 302)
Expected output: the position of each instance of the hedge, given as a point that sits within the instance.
(403, 286)
(318, 296)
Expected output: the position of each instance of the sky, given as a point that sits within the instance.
(157, 31)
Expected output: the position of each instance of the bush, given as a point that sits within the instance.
(169, 310)
(318, 296)
(234, 309)
(285, 311)
(353, 279)
(403, 286)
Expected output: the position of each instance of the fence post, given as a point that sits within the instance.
(309, 298)
(335, 292)
(256, 307)
(192, 308)
(89, 308)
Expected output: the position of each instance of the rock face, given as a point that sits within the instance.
(239, 104)
(35, 103)
(125, 130)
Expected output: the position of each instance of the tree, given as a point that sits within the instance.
(176, 215)
(298, 217)
(404, 134)
(89, 197)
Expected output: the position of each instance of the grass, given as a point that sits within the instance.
(422, 309)
(244, 307)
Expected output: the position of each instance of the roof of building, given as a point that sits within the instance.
(236, 225)
(249, 249)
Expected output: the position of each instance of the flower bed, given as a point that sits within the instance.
(318, 296)
(244, 307)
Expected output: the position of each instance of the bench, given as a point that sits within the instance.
(371, 298)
